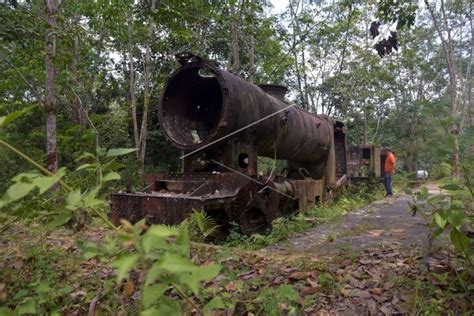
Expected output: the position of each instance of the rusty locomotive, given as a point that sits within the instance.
(222, 123)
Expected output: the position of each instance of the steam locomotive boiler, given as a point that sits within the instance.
(222, 123)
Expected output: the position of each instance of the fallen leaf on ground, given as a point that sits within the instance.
(313, 283)
(128, 289)
(278, 280)
(365, 261)
(298, 276)
(377, 291)
(376, 232)
(289, 270)
(372, 306)
(310, 290)
(385, 310)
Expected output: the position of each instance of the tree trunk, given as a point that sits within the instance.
(365, 139)
(295, 53)
(49, 106)
(147, 94)
(133, 101)
(81, 115)
(252, 44)
(234, 44)
(251, 58)
(466, 117)
(448, 54)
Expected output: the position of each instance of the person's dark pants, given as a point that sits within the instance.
(387, 182)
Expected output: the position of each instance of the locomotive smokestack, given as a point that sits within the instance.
(191, 108)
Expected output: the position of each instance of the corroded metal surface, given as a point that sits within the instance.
(201, 103)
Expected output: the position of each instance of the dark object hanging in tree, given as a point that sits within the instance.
(374, 29)
(384, 47)
(393, 40)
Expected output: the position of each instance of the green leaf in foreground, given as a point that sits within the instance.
(459, 240)
(119, 151)
(45, 183)
(5, 120)
(111, 176)
(28, 307)
(215, 303)
(152, 293)
(59, 221)
(166, 307)
(17, 191)
(124, 264)
(440, 220)
(73, 199)
(451, 187)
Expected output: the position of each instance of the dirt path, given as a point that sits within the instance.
(384, 223)
(378, 261)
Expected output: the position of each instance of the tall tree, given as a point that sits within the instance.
(235, 15)
(131, 78)
(51, 9)
(147, 91)
(444, 33)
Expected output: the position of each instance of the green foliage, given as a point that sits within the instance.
(403, 11)
(27, 182)
(449, 211)
(440, 171)
(271, 300)
(7, 119)
(39, 288)
(162, 254)
(200, 226)
(328, 283)
(77, 202)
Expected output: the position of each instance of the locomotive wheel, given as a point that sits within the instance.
(253, 221)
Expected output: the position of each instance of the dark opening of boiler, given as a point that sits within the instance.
(192, 105)
(243, 160)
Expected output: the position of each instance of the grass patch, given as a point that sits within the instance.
(284, 227)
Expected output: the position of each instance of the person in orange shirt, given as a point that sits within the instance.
(389, 169)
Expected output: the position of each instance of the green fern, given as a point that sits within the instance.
(201, 225)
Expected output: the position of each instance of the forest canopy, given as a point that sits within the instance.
(94, 70)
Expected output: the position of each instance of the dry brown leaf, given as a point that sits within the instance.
(386, 310)
(346, 292)
(309, 290)
(298, 276)
(340, 272)
(356, 274)
(397, 230)
(128, 289)
(361, 294)
(17, 264)
(387, 285)
(288, 270)
(376, 232)
(372, 306)
(313, 283)
(354, 282)
(309, 310)
(365, 261)
(278, 280)
(377, 291)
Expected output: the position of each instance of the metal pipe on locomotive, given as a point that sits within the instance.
(201, 105)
